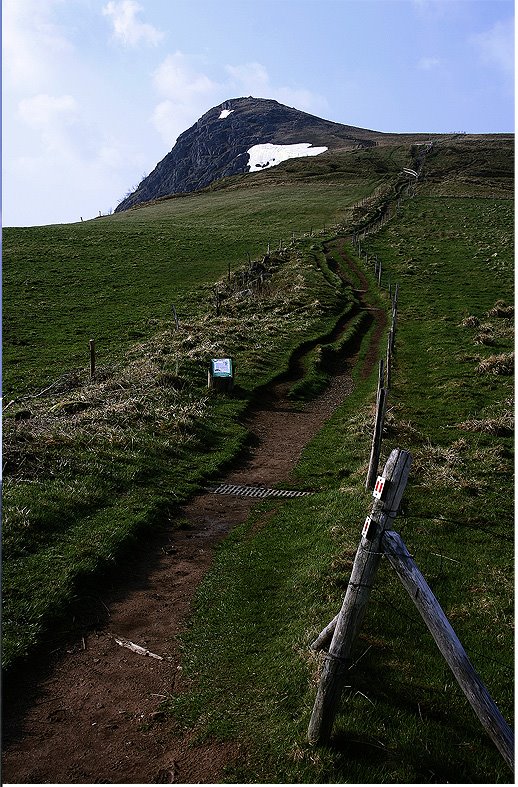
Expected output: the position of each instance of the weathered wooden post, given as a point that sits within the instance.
(381, 399)
(175, 316)
(394, 300)
(92, 358)
(449, 645)
(387, 497)
(388, 363)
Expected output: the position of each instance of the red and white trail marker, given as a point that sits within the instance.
(379, 487)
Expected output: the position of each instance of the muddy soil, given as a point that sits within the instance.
(89, 711)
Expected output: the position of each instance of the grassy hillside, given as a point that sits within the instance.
(91, 464)
(113, 278)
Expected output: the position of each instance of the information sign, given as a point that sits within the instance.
(222, 367)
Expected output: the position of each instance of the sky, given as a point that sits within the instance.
(95, 92)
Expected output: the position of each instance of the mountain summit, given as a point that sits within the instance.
(238, 136)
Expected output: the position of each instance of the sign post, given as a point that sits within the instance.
(221, 374)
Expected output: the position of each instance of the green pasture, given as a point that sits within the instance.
(113, 278)
(92, 465)
(281, 577)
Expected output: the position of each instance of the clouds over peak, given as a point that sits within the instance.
(127, 27)
(187, 91)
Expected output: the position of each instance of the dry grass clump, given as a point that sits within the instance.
(491, 333)
(486, 335)
(440, 464)
(501, 309)
(502, 364)
(397, 429)
(500, 422)
(112, 409)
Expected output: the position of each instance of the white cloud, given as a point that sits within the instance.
(51, 119)
(252, 79)
(42, 111)
(187, 92)
(177, 80)
(428, 63)
(33, 46)
(127, 28)
(496, 46)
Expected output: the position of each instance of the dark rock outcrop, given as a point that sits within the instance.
(216, 147)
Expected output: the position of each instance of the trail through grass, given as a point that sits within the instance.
(281, 577)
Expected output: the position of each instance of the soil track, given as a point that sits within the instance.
(89, 711)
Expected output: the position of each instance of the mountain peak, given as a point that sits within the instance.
(242, 135)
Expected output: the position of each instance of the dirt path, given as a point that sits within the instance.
(90, 713)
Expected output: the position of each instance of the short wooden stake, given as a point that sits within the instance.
(92, 358)
(449, 645)
(388, 494)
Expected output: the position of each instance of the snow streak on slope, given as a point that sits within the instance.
(268, 155)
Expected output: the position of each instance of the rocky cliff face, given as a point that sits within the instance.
(216, 145)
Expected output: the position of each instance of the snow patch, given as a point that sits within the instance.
(269, 155)
(225, 113)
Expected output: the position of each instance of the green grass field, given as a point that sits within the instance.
(91, 465)
(403, 719)
(113, 278)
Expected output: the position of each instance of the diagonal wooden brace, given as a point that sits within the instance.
(392, 485)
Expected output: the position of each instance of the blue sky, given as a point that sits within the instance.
(95, 92)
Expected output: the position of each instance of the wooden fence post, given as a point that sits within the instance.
(92, 358)
(388, 493)
(381, 400)
(448, 643)
(388, 363)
